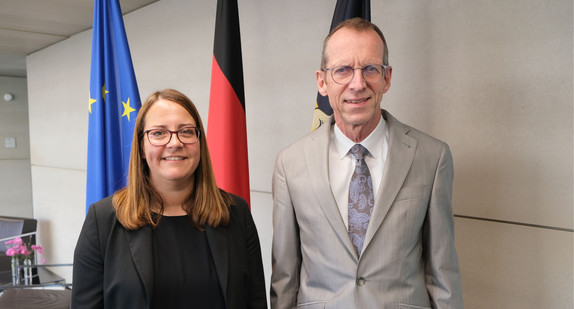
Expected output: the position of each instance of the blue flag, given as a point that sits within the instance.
(114, 103)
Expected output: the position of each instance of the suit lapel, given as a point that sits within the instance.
(317, 154)
(400, 157)
(140, 244)
(217, 240)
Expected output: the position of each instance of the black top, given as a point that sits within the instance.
(114, 268)
(184, 272)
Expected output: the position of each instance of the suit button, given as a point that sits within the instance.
(361, 281)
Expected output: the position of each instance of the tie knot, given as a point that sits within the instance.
(359, 151)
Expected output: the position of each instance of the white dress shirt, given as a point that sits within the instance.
(342, 163)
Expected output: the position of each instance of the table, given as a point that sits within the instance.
(33, 299)
(41, 276)
(47, 291)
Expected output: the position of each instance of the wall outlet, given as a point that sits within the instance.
(10, 142)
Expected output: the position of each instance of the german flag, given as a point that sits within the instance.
(226, 125)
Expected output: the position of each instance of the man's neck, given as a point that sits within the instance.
(357, 133)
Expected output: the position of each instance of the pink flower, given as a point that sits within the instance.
(12, 251)
(38, 248)
(24, 250)
(16, 241)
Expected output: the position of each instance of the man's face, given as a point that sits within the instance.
(356, 104)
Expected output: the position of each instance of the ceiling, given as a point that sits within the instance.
(27, 26)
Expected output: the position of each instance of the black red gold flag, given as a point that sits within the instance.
(226, 125)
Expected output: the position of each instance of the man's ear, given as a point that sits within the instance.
(321, 83)
(388, 76)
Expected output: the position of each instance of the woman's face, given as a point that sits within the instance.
(175, 162)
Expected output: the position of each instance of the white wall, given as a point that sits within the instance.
(493, 79)
(15, 178)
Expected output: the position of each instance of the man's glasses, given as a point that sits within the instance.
(162, 137)
(372, 73)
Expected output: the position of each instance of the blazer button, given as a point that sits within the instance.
(361, 281)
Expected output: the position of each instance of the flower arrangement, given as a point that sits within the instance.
(23, 251)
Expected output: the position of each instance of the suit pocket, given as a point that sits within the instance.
(405, 306)
(411, 192)
(312, 305)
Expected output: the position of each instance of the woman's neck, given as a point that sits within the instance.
(174, 198)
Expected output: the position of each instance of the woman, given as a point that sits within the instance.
(170, 238)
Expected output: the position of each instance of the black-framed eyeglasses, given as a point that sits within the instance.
(162, 137)
(372, 73)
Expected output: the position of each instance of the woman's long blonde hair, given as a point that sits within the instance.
(206, 204)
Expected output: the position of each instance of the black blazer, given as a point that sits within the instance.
(113, 267)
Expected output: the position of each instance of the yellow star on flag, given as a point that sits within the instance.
(92, 101)
(104, 92)
(127, 109)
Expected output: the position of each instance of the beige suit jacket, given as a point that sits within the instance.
(408, 260)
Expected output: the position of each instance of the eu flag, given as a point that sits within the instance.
(114, 103)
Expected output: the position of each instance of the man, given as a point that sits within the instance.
(367, 226)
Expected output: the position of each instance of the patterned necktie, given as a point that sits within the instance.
(361, 198)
